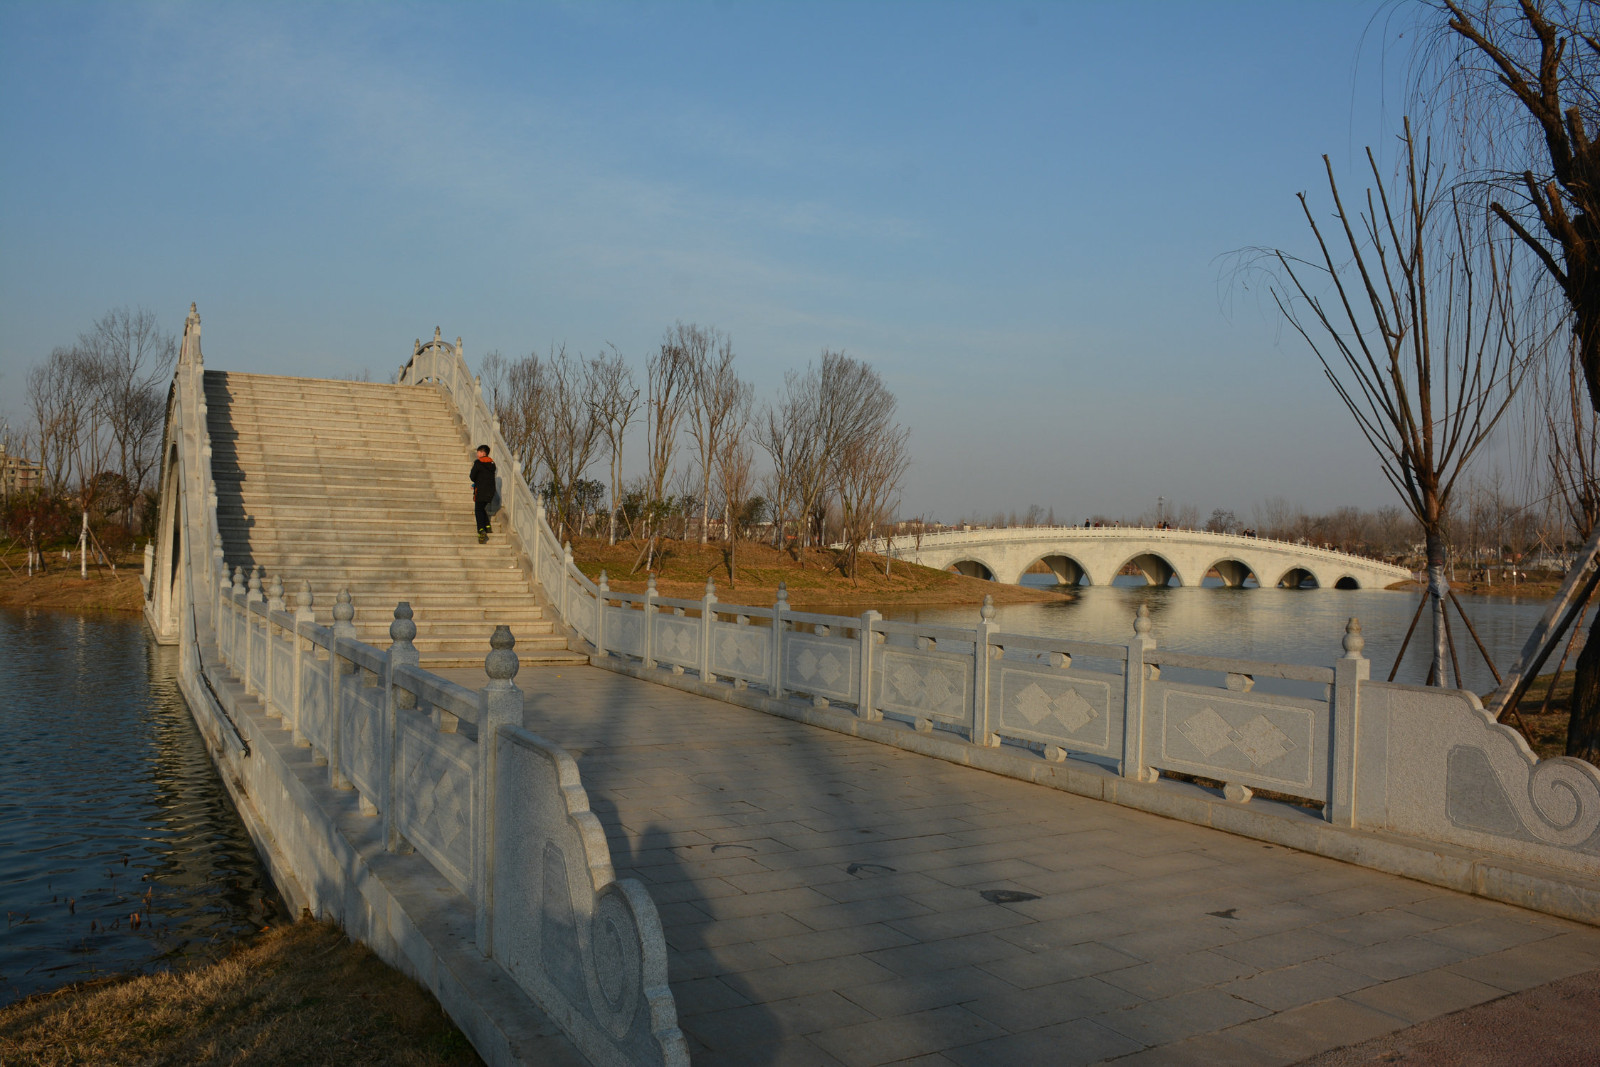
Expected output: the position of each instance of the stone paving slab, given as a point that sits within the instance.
(828, 900)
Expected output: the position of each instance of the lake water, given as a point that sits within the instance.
(1276, 625)
(109, 806)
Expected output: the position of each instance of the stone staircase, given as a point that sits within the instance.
(352, 485)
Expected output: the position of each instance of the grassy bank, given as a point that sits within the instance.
(1548, 728)
(816, 578)
(298, 994)
(1538, 587)
(60, 588)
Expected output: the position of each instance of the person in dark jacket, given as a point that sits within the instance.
(482, 475)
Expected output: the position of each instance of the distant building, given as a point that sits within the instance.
(18, 474)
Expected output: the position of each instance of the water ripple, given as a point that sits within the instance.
(109, 808)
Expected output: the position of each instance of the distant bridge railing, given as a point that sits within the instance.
(902, 544)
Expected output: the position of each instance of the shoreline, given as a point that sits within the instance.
(61, 589)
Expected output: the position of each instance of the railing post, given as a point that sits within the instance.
(402, 653)
(565, 582)
(1345, 706)
(600, 607)
(303, 616)
(219, 567)
(870, 639)
(269, 675)
(251, 597)
(708, 618)
(344, 613)
(780, 608)
(235, 599)
(648, 646)
(502, 706)
(1137, 673)
(982, 654)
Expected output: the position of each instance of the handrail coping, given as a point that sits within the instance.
(1294, 672)
(439, 692)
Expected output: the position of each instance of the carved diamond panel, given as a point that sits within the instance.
(314, 702)
(1241, 740)
(678, 640)
(740, 651)
(927, 684)
(361, 710)
(622, 631)
(436, 783)
(1038, 704)
(821, 665)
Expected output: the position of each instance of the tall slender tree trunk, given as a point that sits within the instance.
(1438, 589)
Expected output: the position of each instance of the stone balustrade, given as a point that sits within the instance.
(454, 778)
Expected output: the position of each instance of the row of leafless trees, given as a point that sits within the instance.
(832, 445)
(96, 410)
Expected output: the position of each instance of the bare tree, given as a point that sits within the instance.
(1423, 351)
(735, 463)
(870, 467)
(128, 356)
(616, 402)
(669, 387)
(788, 438)
(567, 425)
(1572, 445)
(717, 395)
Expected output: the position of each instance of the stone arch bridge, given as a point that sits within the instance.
(1099, 554)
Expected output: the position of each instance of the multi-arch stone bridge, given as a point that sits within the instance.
(1073, 553)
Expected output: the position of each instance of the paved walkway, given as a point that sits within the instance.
(828, 900)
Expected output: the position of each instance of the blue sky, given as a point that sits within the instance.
(1015, 212)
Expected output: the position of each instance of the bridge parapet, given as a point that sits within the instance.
(1376, 763)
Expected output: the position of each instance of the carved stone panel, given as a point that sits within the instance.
(677, 640)
(1268, 742)
(314, 717)
(825, 666)
(928, 685)
(623, 631)
(588, 948)
(1075, 711)
(360, 725)
(740, 651)
(435, 797)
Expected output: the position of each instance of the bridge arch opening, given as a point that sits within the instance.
(1298, 578)
(1067, 571)
(972, 569)
(1347, 582)
(1234, 573)
(1156, 569)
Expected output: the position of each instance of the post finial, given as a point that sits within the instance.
(402, 629)
(275, 594)
(711, 588)
(438, 335)
(987, 611)
(783, 596)
(255, 582)
(343, 610)
(501, 664)
(604, 583)
(1353, 641)
(1141, 621)
(303, 602)
(238, 579)
(650, 585)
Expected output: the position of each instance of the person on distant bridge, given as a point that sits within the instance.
(482, 475)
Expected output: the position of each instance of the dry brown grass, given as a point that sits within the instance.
(1549, 729)
(61, 589)
(299, 994)
(816, 578)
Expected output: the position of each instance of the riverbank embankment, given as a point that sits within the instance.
(816, 578)
(301, 993)
(62, 586)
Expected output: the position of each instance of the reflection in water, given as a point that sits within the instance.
(119, 848)
(1275, 625)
